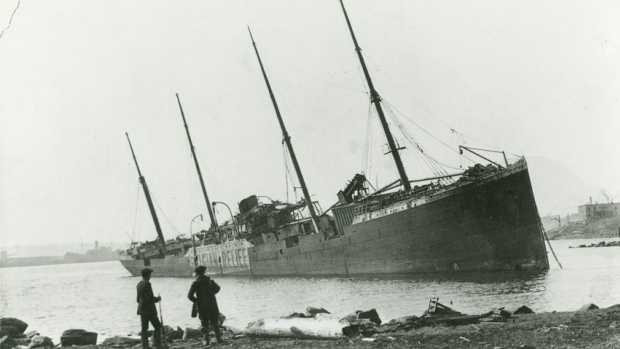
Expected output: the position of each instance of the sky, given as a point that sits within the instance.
(539, 79)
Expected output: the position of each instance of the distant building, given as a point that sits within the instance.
(597, 211)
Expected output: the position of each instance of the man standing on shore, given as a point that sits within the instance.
(147, 310)
(202, 293)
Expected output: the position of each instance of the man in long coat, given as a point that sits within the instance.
(147, 310)
(202, 293)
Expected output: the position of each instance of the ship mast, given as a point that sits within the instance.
(376, 100)
(148, 199)
(289, 145)
(202, 183)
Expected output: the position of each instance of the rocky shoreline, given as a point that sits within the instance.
(600, 244)
(438, 327)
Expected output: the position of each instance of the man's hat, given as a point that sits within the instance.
(146, 271)
(200, 269)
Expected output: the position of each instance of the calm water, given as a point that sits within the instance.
(100, 297)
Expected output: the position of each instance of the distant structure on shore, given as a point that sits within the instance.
(98, 254)
(598, 211)
(594, 220)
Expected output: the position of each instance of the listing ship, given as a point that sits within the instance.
(480, 220)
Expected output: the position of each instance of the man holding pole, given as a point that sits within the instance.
(202, 293)
(147, 310)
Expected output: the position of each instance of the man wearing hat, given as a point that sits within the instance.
(147, 310)
(202, 293)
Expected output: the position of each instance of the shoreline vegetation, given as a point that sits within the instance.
(440, 327)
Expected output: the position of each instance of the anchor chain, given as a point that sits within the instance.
(548, 242)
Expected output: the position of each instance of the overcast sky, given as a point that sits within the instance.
(534, 78)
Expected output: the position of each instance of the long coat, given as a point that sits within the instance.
(202, 293)
(146, 299)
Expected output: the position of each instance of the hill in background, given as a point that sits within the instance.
(558, 190)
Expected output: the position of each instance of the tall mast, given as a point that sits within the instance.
(202, 183)
(148, 199)
(289, 145)
(376, 100)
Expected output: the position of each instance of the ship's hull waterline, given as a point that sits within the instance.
(162, 267)
(491, 224)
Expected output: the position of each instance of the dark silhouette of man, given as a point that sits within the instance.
(147, 310)
(202, 293)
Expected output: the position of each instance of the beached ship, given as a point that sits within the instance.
(482, 219)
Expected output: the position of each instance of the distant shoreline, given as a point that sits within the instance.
(45, 260)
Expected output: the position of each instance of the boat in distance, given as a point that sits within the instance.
(482, 219)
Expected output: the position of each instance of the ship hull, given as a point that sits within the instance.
(164, 267)
(489, 224)
(225, 259)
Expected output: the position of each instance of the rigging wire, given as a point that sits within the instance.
(425, 131)
(301, 134)
(135, 216)
(433, 165)
(407, 93)
(163, 213)
(367, 157)
(290, 177)
(432, 114)
(286, 171)
(214, 180)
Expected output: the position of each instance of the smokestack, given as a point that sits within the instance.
(590, 200)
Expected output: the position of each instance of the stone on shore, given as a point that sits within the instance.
(405, 323)
(312, 311)
(371, 315)
(171, 334)
(7, 343)
(295, 315)
(9, 321)
(118, 341)
(589, 306)
(41, 342)
(10, 331)
(192, 333)
(78, 337)
(523, 310)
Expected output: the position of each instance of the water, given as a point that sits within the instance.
(101, 296)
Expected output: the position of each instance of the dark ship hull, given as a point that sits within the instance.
(174, 264)
(490, 223)
(163, 267)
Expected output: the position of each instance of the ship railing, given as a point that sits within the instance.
(381, 202)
